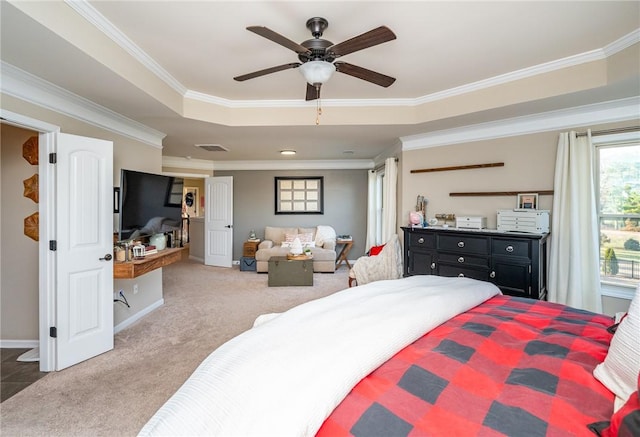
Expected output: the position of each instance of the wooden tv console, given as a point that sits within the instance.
(139, 267)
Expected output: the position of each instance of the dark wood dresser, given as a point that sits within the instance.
(515, 262)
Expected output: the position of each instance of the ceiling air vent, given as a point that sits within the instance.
(212, 147)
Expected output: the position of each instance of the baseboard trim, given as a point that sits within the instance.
(137, 316)
(19, 344)
(196, 258)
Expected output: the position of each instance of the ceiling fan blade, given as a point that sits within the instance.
(313, 93)
(266, 71)
(372, 38)
(277, 38)
(364, 74)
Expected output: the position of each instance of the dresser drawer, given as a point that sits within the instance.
(463, 260)
(466, 272)
(508, 247)
(464, 244)
(418, 240)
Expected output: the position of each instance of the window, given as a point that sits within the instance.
(618, 197)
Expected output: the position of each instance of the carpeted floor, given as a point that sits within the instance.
(116, 393)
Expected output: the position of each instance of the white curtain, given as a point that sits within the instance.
(389, 195)
(574, 277)
(371, 211)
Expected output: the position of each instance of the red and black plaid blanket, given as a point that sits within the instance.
(510, 366)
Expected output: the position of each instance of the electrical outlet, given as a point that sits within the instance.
(116, 295)
(135, 288)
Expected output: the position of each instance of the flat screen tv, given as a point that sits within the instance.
(149, 204)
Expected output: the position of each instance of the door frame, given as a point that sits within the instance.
(46, 210)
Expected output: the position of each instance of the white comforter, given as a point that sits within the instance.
(285, 376)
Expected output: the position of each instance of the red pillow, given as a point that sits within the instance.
(375, 250)
(624, 422)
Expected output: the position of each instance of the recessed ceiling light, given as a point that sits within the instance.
(287, 152)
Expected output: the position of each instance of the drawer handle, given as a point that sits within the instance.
(509, 249)
(492, 275)
(461, 259)
(461, 275)
(433, 266)
(460, 243)
(420, 240)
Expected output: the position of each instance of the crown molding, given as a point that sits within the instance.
(622, 43)
(186, 175)
(328, 164)
(559, 64)
(599, 113)
(25, 86)
(93, 16)
(25, 122)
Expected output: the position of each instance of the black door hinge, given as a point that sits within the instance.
(53, 158)
(53, 332)
(53, 245)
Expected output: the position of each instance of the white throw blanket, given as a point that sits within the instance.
(386, 265)
(285, 376)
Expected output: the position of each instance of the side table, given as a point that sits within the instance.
(344, 251)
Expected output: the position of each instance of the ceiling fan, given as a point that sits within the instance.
(317, 55)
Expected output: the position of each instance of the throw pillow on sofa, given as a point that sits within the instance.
(375, 250)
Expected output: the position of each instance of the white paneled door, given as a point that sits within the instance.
(218, 221)
(84, 247)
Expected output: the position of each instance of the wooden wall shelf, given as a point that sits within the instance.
(502, 193)
(139, 267)
(459, 167)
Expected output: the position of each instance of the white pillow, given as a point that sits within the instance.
(306, 238)
(324, 233)
(288, 240)
(619, 370)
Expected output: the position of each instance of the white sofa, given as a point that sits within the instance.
(324, 252)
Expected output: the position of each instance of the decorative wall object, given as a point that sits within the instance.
(191, 201)
(459, 167)
(31, 188)
(30, 150)
(498, 193)
(31, 226)
(299, 195)
(527, 201)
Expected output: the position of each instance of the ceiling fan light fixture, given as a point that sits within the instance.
(317, 71)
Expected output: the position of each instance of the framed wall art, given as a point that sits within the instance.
(527, 201)
(299, 195)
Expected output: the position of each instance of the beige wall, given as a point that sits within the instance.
(19, 272)
(19, 260)
(529, 166)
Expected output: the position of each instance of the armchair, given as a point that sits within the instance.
(386, 265)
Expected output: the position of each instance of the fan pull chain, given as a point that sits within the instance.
(318, 106)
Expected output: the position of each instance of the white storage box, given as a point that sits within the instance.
(471, 222)
(534, 221)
